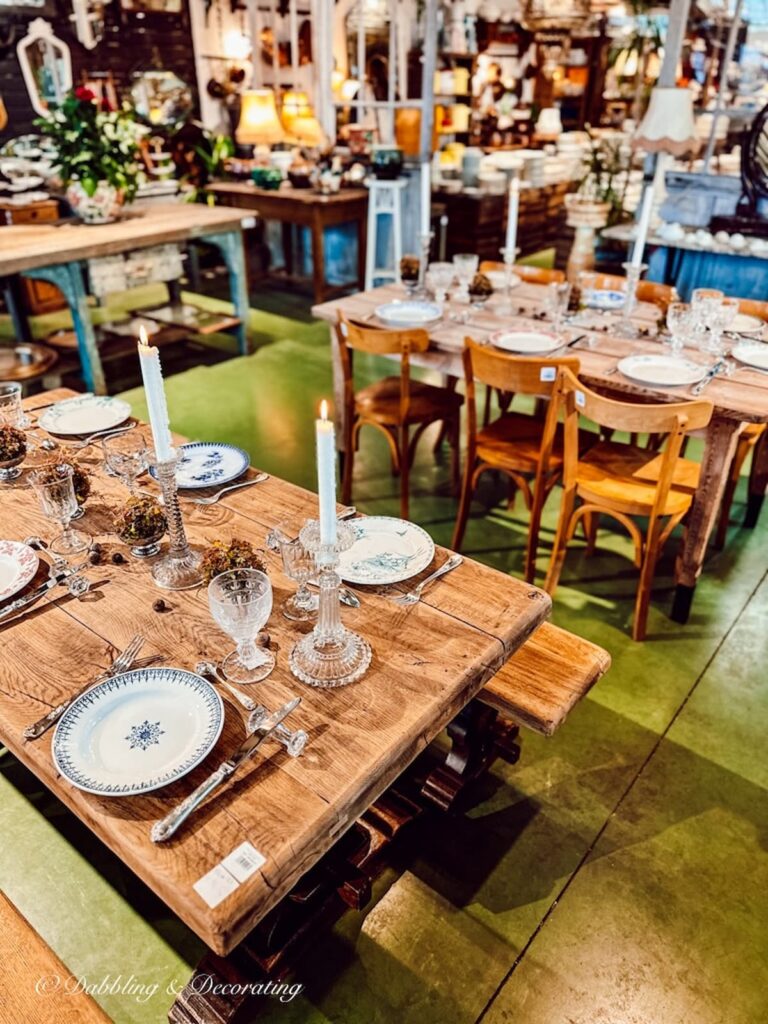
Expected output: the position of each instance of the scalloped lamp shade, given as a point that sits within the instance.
(668, 125)
(259, 124)
(299, 119)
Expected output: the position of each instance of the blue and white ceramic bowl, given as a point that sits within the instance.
(138, 731)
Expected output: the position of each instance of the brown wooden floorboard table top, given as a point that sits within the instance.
(428, 662)
(742, 396)
(29, 246)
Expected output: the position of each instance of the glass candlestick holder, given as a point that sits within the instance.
(633, 273)
(331, 655)
(179, 568)
(504, 307)
(425, 242)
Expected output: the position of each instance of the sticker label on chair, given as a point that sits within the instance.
(235, 869)
(581, 400)
(547, 373)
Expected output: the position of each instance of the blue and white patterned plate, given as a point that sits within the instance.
(84, 415)
(138, 731)
(386, 550)
(603, 298)
(206, 464)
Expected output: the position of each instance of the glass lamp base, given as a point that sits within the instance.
(178, 573)
(326, 663)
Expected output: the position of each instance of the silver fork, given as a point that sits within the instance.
(120, 664)
(100, 435)
(415, 595)
(232, 487)
(207, 668)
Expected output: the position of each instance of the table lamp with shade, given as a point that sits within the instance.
(668, 125)
(259, 124)
(298, 117)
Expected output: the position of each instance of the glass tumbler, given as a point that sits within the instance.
(241, 602)
(56, 492)
(465, 266)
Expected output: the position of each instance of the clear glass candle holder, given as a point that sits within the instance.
(331, 655)
(626, 325)
(504, 306)
(179, 568)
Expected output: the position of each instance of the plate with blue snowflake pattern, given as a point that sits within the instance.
(205, 464)
(137, 731)
(386, 550)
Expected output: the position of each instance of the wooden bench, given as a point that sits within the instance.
(546, 678)
(34, 984)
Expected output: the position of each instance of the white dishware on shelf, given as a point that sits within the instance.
(138, 731)
(386, 550)
(661, 370)
(526, 342)
(18, 565)
(85, 414)
(208, 464)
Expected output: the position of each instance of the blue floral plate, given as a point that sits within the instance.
(138, 731)
(603, 298)
(386, 550)
(206, 464)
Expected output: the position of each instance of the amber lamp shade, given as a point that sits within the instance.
(299, 119)
(259, 124)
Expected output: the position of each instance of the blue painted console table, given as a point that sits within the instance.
(55, 253)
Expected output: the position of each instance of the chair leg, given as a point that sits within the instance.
(737, 463)
(591, 522)
(643, 599)
(487, 406)
(405, 472)
(534, 527)
(456, 455)
(465, 501)
(561, 542)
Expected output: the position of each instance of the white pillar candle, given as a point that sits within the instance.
(512, 214)
(325, 436)
(426, 198)
(149, 359)
(642, 228)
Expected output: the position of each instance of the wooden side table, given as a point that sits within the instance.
(306, 208)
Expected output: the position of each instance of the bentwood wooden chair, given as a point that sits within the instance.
(660, 295)
(527, 449)
(394, 405)
(623, 481)
(533, 275)
(751, 435)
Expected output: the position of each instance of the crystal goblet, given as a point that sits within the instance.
(558, 297)
(680, 321)
(241, 602)
(441, 278)
(127, 456)
(56, 492)
(705, 303)
(465, 266)
(298, 565)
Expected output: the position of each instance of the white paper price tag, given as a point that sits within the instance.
(581, 400)
(235, 869)
(547, 373)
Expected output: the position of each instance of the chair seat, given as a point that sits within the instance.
(624, 477)
(380, 401)
(514, 440)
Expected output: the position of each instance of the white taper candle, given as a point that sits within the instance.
(512, 214)
(426, 198)
(642, 229)
(152, 375)
(326, 475)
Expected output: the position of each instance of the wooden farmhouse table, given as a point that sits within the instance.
(307, 208)
(55, 253)
(429, 661)
(739, 399)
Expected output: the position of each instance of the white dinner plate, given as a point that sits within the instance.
(138, 731)
(386, 550)
(603, 298)
(498, 279)
(743, 324)
(18, 564)
(751, 353)
(526, 342)
(409, 314)
(84, 415)
(205, 464)
(664, 371)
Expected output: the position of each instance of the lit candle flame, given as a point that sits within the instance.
(143, 339)
(323, 410)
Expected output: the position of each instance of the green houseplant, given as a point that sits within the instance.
(97, 153)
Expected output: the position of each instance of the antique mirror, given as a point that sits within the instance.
(46, 66)
(161, 98)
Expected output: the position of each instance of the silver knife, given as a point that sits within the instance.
(166, 827)
(711, 373)
(38, 592)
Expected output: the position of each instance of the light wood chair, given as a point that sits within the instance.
(395, 404)
(623, 481)
(660, 295)
(528, 450)
(533, 275)
(751, 434)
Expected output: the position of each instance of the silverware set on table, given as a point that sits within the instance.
(59, 573)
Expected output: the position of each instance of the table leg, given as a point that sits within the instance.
(362, 245)
(318, 259)
(68, 278)
(287, 235)
(230, 245)
(758, 481)
(13, 304)
(722, 436)
(339, 409)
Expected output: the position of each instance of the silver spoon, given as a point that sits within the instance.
(207, 668)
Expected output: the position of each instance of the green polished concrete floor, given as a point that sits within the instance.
(616, 875)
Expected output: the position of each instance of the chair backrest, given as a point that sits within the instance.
(533, 275)
(754, 307)
(675, 419)
(647, 291)
(519, 374)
